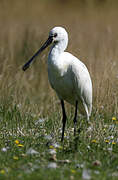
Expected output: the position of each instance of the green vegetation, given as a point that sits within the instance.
(30, 113)
(30, 147)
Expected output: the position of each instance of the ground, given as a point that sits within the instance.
(30, 112)
(30, 147)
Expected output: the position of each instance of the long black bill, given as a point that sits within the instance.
(47, 43)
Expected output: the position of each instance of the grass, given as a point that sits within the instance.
(94, 156)
(29, 109)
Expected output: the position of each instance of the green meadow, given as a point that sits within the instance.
(30, 112)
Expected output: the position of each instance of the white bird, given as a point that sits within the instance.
(68, 76)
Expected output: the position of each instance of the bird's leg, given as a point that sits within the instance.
(75, 118)
(63, 120)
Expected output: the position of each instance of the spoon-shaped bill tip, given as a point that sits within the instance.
(25, 67)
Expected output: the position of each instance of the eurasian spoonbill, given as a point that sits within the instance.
(68, 76)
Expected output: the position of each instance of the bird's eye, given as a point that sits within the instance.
(55, 35)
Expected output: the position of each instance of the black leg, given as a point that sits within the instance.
(63, 120)
(75, 118)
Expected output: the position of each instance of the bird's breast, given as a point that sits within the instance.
(61, 81)
(57, 67)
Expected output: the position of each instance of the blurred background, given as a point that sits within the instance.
(93, 37)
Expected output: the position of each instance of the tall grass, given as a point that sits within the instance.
(93, 33)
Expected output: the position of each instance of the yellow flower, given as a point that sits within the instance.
(17, 141)
(51, 147)
(113, 142)
(114, 118)
(107, 141)
(15, 157)
(73, 171)
(94, 141)
(65, 134)
(2, 171)
(20, 145)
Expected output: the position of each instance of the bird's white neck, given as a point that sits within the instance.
(57, 49)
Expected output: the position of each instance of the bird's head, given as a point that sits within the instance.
(57, 35)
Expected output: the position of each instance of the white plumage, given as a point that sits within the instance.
(68, 76)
